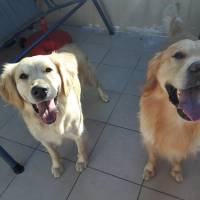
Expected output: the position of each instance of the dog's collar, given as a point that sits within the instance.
(35, 108)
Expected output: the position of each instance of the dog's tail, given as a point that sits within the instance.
(171, 20)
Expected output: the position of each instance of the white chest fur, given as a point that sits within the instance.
(69, 122)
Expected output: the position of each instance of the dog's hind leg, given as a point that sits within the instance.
(57, 168)
(150, 167)
(92, 80)
(176, 171)
(104, 97)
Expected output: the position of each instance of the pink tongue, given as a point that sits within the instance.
(47, 111)
(189, 102)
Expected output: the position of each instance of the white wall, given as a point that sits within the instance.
(133, 13)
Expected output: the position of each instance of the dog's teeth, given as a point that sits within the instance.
(45, 114)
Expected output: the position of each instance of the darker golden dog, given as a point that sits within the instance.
(170, 103)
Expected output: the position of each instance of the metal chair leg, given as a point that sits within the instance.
(104, 18)
(17, 168)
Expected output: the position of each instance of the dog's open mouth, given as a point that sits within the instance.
(187, 101)
(47, 110)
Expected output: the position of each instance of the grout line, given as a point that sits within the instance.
(121, 93)
(24, 164)
(19, 143)
(77, 30)
(118, 177)
(101, 61)
(28, 159)
(108, 123)
(119, 67)
(133, 130)
(72, 188)
(7, 186)
(165, 193)
(95, 144)
(133, 70)
(140, 190)
(128, 67)
(63, 158)
(99, 43)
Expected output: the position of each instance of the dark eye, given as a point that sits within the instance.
(23, 76)
(48, 69)
(179, 55)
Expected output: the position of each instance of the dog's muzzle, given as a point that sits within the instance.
(187, 100)
(45, 109)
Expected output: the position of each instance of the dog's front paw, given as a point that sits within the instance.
(105, 98)
(57, 171)
(81, 165)
(177, 175)
(149, 172)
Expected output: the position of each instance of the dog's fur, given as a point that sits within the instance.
(61, 74)
(165, 132)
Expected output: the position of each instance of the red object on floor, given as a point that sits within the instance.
(54, 41)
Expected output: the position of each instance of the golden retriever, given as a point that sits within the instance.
(47, 91)
(170, 103)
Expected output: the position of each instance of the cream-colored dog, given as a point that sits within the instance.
(46, 89)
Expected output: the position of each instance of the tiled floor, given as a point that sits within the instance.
(116, 153)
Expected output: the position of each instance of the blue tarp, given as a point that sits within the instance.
(15, 15)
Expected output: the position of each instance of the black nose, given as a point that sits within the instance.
(194, 67)
(39, 93)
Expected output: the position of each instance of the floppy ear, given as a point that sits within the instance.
(67, 67)
(153, 67)
(8, 89)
